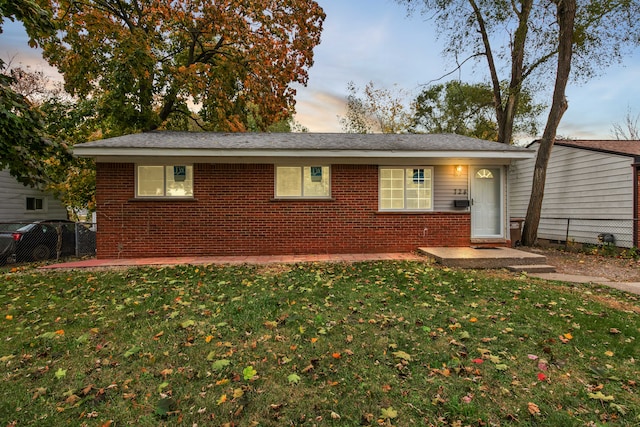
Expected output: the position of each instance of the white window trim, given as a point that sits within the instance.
(405, 209)
(164, 171)
(302, 196)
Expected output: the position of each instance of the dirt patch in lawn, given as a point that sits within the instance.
(616, 269)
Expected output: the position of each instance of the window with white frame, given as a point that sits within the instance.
(406, 189)
(303, 182)
(35, 204)
(164, 181)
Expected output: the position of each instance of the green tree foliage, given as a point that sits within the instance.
(73, 180)
(532, 41)
(468, 109)
(518, 41)
(24, 146)
(146, 63)
(376, 110)
(64, 121)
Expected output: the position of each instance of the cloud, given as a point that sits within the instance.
(318, 111)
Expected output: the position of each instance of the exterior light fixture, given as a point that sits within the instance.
(457, 170)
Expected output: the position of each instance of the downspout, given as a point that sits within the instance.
(636, 200)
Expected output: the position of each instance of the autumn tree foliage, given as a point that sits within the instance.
(24, 145)
(535, 43)
(148, 62)
(376, 110)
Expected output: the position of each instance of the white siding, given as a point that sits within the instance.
(13, 197)
(445, 185)
(593, 190)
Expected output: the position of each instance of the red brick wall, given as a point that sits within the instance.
(234, 213)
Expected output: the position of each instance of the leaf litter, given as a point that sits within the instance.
(377, 343)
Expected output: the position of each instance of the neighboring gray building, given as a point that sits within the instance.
(20, 202)
(591, 191)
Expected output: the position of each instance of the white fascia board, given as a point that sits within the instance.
(127, 153)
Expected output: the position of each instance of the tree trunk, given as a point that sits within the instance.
(566, 18)
(506, 106)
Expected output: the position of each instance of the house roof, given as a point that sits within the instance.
(262, 146)
(623, 147)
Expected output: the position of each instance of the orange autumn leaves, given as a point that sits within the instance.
(152, 61)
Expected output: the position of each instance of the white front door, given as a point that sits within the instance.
(486, 202)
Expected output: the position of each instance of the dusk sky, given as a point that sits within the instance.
(375, 40)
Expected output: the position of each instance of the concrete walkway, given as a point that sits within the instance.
(631, 287)
(292, 259)
(235, 260)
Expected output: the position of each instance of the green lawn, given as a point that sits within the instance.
(377, 343)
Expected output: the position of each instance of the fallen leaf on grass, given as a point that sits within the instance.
(72, 400)
(601, 397)
(293, 379)
(388, 413)
(622, 410)
(165, 406)
(218, 365)
(249, 373)
(6, 358)
(533, 409)
(402, 355)
(270, 324)
(187, 324)
(61, 373)
(40, 391)
(133, 350)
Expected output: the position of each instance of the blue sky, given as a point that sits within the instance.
(375, 40)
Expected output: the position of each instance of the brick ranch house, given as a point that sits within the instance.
(197, 194)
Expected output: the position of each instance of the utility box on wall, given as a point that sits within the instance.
(515, 227)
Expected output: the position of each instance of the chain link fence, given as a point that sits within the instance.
(589, 231)
(45, 240)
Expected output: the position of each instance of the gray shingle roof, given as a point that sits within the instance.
(608, 146)
(298, 141)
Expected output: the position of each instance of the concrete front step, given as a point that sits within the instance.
(538, 268)
(469, 257)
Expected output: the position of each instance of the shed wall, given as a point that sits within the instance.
(586, 193)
